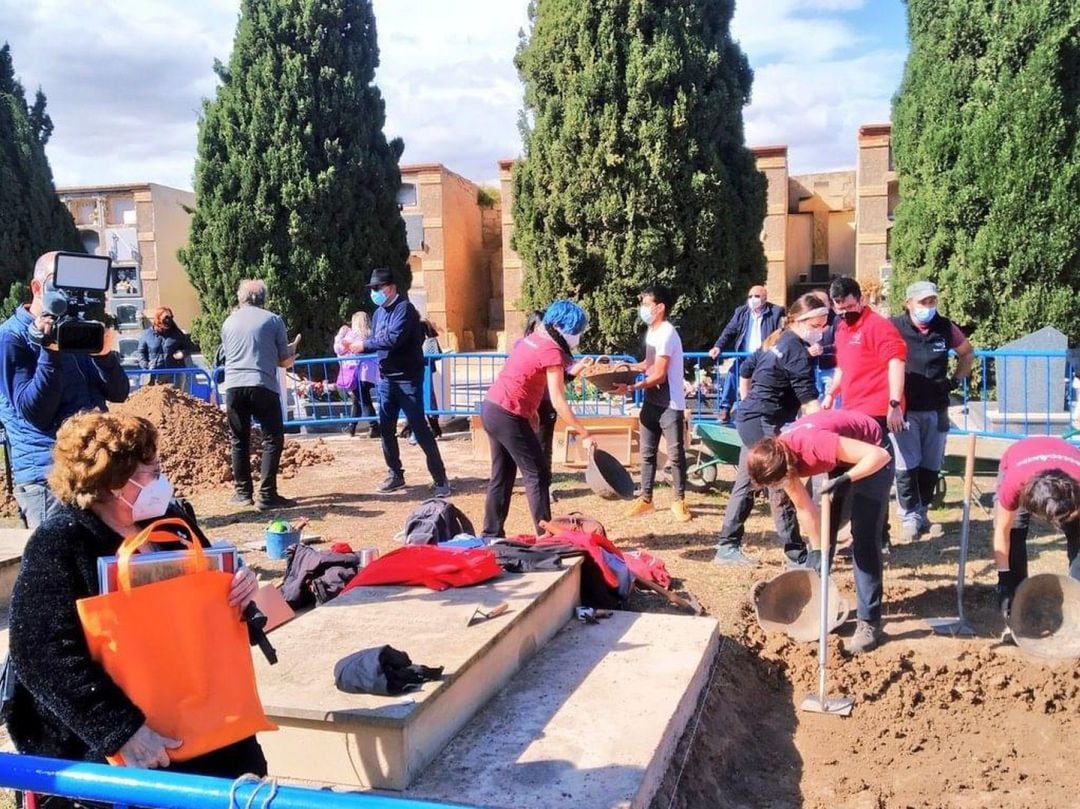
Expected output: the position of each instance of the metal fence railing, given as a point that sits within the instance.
(1010, 393)
(126, 787)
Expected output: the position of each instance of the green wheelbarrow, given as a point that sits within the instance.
(718, 445)
(954, 465)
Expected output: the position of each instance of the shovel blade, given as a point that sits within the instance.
(952, 627)
(833, 706)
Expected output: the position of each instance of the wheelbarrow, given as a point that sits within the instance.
(719, 445)
(954, 465)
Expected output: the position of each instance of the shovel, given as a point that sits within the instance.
(959, 627)
(820, 702)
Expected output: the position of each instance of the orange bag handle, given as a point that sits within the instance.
(128, 547)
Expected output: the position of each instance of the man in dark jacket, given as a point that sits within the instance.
(750, 324)
(920, 446)
(397, 337)
(40, 387)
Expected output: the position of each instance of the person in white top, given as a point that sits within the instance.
(664, 409)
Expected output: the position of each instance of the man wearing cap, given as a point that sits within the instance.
(750, 324)
(397, 337)
(920, 447)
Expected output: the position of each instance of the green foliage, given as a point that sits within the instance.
(32, 219)
(985, 144)
(295, 181)
(487, 197)
(635, 169)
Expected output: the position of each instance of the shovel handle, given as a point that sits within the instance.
(823, 637)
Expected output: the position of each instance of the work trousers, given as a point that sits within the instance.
(741, 502)
(395, 396)
(263, 404)
(655, 420)
(919, 452)
(514, 446)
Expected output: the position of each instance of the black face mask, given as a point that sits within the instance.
(852, 317)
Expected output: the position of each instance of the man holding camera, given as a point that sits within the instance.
(41, 385)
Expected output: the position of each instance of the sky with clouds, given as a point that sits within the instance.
(125, 79)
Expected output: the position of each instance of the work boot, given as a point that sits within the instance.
(867, 637)
(241, 499)
(274, 502)
(681, 512)
(640, 507)
(393, 482)
(732, 556)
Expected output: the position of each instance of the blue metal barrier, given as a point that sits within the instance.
(161, 789)
(198, 382)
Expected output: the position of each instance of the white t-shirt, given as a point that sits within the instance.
(664, 341)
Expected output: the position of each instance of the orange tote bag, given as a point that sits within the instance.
(178, 651)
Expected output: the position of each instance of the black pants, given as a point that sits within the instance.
(241, 405)
(514, 446)
(546, 433)
(654, 420)
(362, 405)
(741, 502)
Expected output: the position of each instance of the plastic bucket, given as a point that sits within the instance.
(1045, 617)
(607, 477)
(278, 541)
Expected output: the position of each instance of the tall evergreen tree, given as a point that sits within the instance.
(986, 146)
(635, 168)
(32, 219)
(295, 181)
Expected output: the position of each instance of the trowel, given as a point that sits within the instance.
(958, 627)
(821, 702)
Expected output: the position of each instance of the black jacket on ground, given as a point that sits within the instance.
(65, 705)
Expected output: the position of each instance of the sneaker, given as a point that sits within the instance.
(732, 556)
(909, 531)
(274, 502)
(681, 512)
(811, 560)
(640, 507)
(867, 637)
(392, 483)
(441, 489)
(239, 499)
(723, 415)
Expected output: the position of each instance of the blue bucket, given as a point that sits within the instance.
(278, 541)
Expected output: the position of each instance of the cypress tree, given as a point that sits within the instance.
(295, 181)
(635, 168)
(32, 219)
(986, 148)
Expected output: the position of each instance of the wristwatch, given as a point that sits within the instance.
(894, 403)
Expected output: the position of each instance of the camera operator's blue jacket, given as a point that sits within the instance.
(40, 388)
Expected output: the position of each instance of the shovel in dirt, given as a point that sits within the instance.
(821, 702)
(959, 627)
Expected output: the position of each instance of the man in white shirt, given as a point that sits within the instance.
(749, 325)
(664, 410)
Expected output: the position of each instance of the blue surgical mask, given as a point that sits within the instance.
(53, 301)
(378, 297)
(647, 314)
(923, 314)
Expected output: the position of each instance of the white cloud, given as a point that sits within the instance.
(125, 80)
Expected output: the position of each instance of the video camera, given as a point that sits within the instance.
(75, 298)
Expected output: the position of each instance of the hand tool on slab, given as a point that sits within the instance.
(821, 702)
(959, 627)
(480, 614)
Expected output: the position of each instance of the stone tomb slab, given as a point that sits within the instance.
(366, 741)
(591, 722)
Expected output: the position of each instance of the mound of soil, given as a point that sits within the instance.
(194, 440)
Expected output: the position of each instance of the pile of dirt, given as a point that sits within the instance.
(193, 440)
(974, 721)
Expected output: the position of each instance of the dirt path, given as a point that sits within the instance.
(937, 722)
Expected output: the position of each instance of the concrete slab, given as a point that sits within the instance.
(591, 722)
(351, 740)
(12, 542)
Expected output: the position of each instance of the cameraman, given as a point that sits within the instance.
(40, 387)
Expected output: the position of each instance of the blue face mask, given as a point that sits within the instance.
(923, 314)
(378, 297)
(53, 301)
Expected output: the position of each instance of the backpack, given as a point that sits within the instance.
(434, 521)
(575, 521)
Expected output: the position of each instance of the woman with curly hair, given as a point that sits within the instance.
(108, 478)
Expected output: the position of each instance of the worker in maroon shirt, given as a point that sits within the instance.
(871, 357)
(848, 447)
(1039, 475)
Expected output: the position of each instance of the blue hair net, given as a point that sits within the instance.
(566, 316)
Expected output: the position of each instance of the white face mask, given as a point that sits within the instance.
(647, 314)
(813, 336)
(754, 302)
(572, 340)
(153, 500)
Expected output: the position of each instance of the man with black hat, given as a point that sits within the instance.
(920, 446)
(397, 337)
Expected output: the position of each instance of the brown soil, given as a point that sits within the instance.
(937, 722)
(194, 440)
